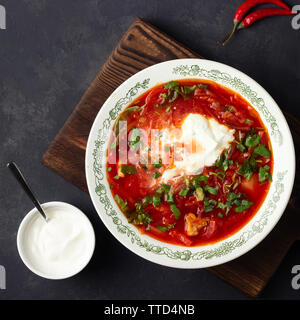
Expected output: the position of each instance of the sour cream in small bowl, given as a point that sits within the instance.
(60, 247)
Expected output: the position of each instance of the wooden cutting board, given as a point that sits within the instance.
(141, 46)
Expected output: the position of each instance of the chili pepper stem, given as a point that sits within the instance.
(235, 26)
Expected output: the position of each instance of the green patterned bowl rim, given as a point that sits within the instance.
(255, 230)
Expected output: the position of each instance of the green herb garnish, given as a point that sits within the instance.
(165, 229)
(264, 174)
(175, 211)
(211, 190)
(241, 147)
(229, 108)
(221, 205)
(262, 150)
(122, 204)
(147, 199)
(183, 192)
(223, 162)
(196, 181)
(162, 228)
(209, 204)
(252, 140)
(202, 86)
(170, 197)
(128, 170)
(189, 89)
(244, 205)
(158, 164)
(156, 200)
(140, 217)
(233, 196)
(156, 175)
(134, 108)
(246, 170)
(171, 85)
(168, 108)
(220, 174)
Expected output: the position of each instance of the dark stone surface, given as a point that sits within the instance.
(49, 54)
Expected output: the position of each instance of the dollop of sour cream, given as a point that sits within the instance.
(59, 247)
(203, 139)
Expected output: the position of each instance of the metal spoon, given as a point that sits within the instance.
(20, 178)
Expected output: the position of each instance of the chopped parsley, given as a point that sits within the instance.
(196, 181)
(252, 140)
(225, 206)
(122, 204)
(244, 205)
(170, 197)
(241, 147)
(169, 108)
(171, 85)
(156, 174)
(220, 174)
(162, 228)
(233, 196)
(183, 192)
(262, 150)
(158, 163)
(202, 86)
(223, 162)
(189, 89)
(246, 169)
(134, 108)
(156, 200)
(175, 211)
(140, 216)
(229, 108)
(264, 174)
(209, 204)
(167, 228)
(128, 170)
(211, 190)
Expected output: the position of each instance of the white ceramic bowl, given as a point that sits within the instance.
(22, 233)
(255, 230)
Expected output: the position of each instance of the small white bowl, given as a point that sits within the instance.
(22, 233)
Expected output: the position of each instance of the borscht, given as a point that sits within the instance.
(189, 162)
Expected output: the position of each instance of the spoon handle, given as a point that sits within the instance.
(20, 178)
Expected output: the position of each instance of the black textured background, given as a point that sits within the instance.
(49, 54)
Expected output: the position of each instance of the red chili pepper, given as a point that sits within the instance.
(262, 13)
(244, 8)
